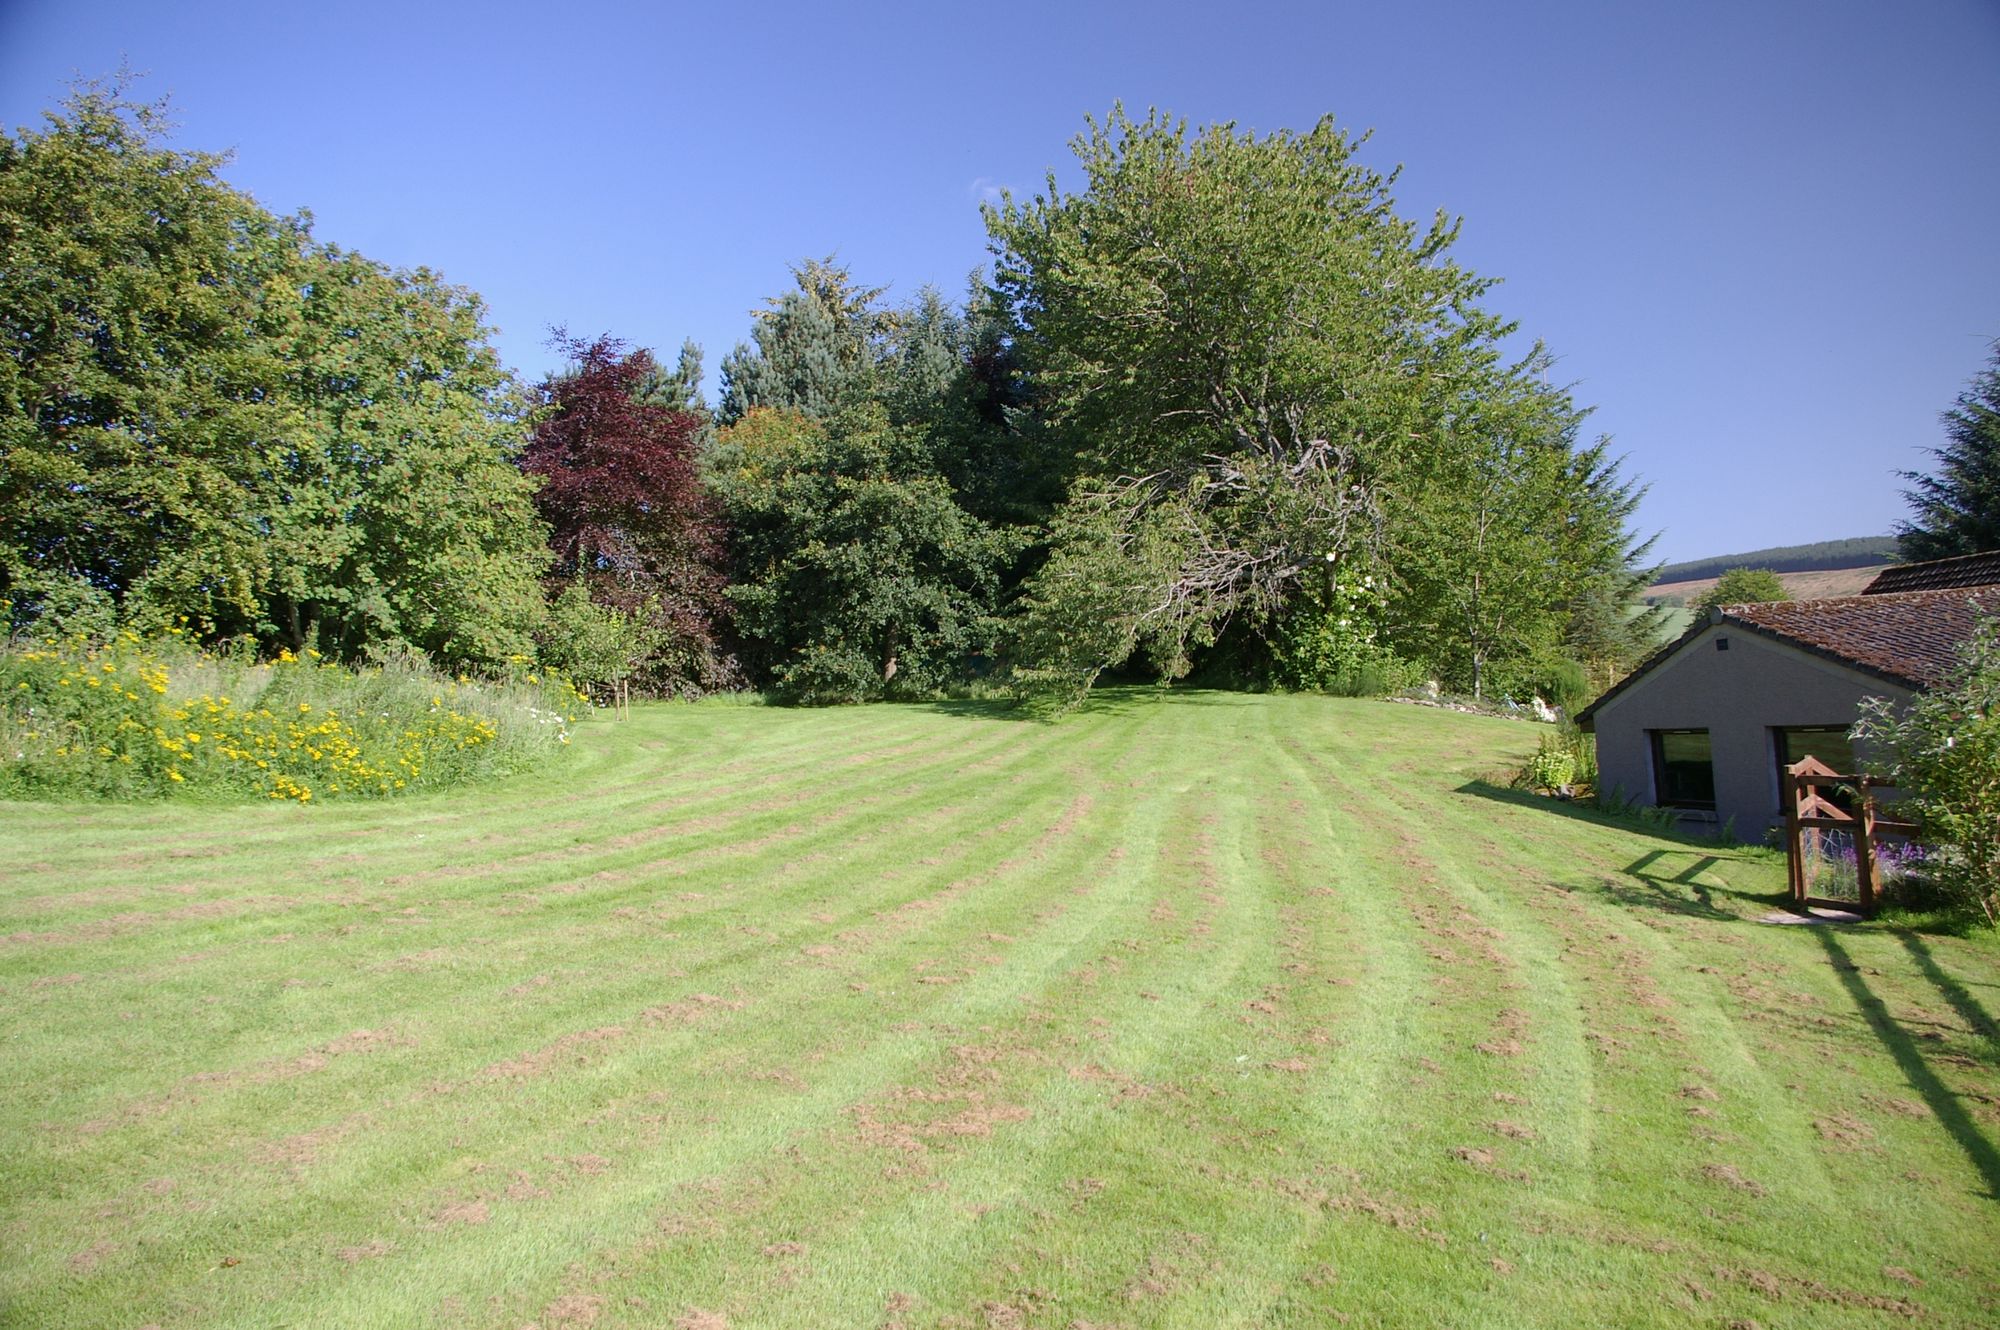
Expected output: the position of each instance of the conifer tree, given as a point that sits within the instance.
(816, 347)
(1958, 508)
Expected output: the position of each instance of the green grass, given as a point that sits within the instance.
(1674, 622)
(1194, 1010)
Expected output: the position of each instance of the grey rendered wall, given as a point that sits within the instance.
(1738, 696)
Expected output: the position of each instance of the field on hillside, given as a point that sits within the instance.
(1815, 585)
(1195, 1010)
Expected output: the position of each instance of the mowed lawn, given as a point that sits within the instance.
(1192, 1010)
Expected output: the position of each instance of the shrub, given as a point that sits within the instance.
(1947, 761)
(1330, 642)
(131, 718)
(1567, 685)
(1564, 759)
(594, 644)
(1553, 766)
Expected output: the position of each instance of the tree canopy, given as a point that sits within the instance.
(1220, 408)
(1957, 509)
(858, 575)
(1258, 368)
(206, 413)
(1740, 586)
(616, 451)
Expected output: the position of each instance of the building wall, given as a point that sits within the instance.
(1739, 696)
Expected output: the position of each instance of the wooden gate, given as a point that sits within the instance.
(1810, 815)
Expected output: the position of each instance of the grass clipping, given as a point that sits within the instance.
(135, 718)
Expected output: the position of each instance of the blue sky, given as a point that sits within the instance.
(1759, 235)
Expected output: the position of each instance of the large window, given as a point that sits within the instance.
(1683, 769)
(1828, 743)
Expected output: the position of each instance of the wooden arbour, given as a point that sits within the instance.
(1808, 812)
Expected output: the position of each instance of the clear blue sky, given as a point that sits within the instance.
(1762, 237)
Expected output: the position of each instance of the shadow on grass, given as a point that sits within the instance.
(1669, 880)
(1665, 878)
(1941, 1099)
(1111, 700)
(1486, 789)
(1967, 1006)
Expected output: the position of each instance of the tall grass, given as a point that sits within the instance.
(135, 718)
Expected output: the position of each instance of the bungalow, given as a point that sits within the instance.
(1706, 724)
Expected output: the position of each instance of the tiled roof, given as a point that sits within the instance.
(1938, 574)
(1909, 638)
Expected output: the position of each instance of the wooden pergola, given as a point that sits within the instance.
(1809, 812)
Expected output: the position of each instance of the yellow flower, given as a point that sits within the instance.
(173, 774)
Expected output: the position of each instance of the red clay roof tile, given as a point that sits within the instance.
(1937, 575)
(1912, 636)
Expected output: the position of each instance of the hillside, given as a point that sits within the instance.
(1814, 585)
(1197, 1009)
(1856, 552)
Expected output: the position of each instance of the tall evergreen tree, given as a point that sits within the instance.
(1958, 508)
(816, 347)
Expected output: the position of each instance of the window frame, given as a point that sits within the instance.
(1839, 796)
(1654, 740)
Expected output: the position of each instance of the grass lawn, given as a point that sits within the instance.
(1200, 1010)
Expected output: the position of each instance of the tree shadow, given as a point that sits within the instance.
(1668, 877)
(1111, 700)
(1942, 1101)
(980, 708)
(1486, 789)
(1952, 990)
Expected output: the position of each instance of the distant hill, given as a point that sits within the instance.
(1859, 552)
(1814, 585)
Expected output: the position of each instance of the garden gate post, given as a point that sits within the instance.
(1864, 848)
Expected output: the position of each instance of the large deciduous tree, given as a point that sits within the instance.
(621, 491)
(1259, 367)
(139, 377)
(1740, 586)
(1958, 508)
(205, 413)
(393, 511)
(1507, 546)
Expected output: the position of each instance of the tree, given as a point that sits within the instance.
(628, 516)
(393, 512)
(206, 413)
(858, 575)
(678, 389)
(1947, 760)
(1246, 349)
(949, 371)
(139, 380)
(1958, 509)
(816, 351)
(1606, 570)
(1740, 586)
(1475, 543)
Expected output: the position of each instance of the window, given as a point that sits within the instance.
(1828, 743)
(1683, 769)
